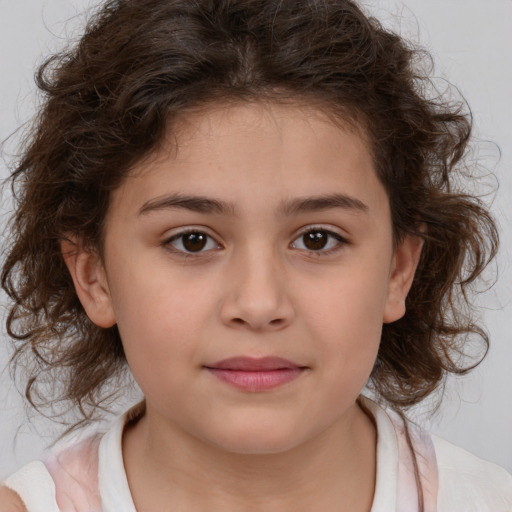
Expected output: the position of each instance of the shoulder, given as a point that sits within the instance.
(74, 470)
(468, 483)
(450, 476)
(30, 488)
(10, 501)
(66, 480)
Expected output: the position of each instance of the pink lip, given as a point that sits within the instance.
(255, 374)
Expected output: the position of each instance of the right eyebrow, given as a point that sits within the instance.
(197, 204)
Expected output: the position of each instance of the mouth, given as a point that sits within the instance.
(256, 374)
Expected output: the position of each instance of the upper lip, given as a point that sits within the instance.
(254, 364)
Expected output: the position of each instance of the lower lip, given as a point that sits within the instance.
(257, 380)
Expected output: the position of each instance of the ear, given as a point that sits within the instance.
(403, 268)
(89, 278)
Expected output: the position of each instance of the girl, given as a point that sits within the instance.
(256, 207)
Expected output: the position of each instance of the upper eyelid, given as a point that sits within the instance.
(190, 229)
(320, 227)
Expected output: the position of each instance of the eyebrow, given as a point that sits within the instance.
(201, 204)
(323, 202)
(197, 204)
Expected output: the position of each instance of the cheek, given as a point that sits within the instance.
(160, 320)
(345, 320)
(350, 300)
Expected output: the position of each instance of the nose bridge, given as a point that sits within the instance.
(257, 293)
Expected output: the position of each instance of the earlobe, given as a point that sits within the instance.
(405, 262)
(89, 278)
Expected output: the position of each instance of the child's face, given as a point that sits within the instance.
(291, 256)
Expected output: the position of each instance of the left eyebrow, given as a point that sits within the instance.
(324, 202)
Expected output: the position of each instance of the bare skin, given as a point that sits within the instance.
(255, 184)
(328, 474)
(10, 501)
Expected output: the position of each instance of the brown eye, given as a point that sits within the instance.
(318, 240)
(315, 240)
(193, 242)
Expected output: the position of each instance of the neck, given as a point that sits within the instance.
(168, 469)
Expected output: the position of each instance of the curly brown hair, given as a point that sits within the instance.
(108, 102)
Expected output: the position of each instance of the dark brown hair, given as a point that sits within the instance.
(108, 102)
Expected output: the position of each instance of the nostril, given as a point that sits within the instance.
(275, 322)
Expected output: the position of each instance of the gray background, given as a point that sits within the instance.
(471, 42)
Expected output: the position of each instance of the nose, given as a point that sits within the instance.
(257, 295)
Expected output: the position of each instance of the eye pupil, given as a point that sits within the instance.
(315, 240)
(194, 242)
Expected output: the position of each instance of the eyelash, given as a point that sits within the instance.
(341, 241)
(183, 252)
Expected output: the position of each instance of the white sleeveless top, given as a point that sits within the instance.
(90, 476)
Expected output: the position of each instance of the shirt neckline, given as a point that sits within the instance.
(115, 491)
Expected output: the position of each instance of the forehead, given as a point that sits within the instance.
(250, 151)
